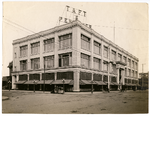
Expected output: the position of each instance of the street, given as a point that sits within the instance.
(115, 102)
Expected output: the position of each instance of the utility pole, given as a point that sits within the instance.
(142, 75)
(114, 31)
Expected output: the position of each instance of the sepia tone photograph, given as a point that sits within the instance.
(75, 58)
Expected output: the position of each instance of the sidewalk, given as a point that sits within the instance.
(49, 92)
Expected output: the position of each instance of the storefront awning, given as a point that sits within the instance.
(128, 84)
(86, 82)
(61, 82)
(46, 82)
(31, 82)
(100, 82)
(20, 82)
(115, 83)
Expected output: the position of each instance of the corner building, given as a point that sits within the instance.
(75, 53)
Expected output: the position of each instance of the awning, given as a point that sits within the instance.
(115, 83)
(61, 82)
(46, 82)
(71, 82)
(86, 82)
(128, 84)
(20, 82)
(31, 82)
(100, 82)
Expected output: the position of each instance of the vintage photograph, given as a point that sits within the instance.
(75, 58)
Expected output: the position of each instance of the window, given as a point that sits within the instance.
(113, 68)
(65, 75)
(48, 76)
(96, 63)
(132, 75)
(105, 66)
(65, 59)
(119, 57)
(124, 59)
(97, 48)
(23, 51)
(15, 55)
(65, 41)
(105, 52)
(136, 74)
(35, 48)
(132, 64)
(23, 65)
(49, 61)
(125, 71)
(85, 42)
(85, 76)
(113, 79)
(129, 62)
(85, 60)
(136, 65)
(35, 63)
(34, 76)
(23, 77)
(129, 72)
(113, 55)
(49, 45)
(97, 77)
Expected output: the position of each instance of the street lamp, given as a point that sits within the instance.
(9, 84)
(34, 85)
(92, 87)
(63, 85)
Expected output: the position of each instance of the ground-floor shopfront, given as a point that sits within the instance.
(75, 79)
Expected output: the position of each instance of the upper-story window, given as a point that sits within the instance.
(119, 57)
(49, 61)
(129, 72)
(105, 66)
(23, 51)
(129, 62)
(105, 52)
(35, 63)
(136, 74)
(124, 59)
(85, 42)
(35, 48)
(23, 65)
(85, 60)
(96, 63)
(132, 75)
(97, 48)
(132, 64)
(136, 65)
(113, 55)
(49, 45)
(125, 71)
(65, 59)
(65, 41)
(113, 68)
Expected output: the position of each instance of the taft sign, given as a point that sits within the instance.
(76, 11)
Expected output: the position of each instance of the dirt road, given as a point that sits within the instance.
(70, 103)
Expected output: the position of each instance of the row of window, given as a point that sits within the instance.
(130, 73)
(65, 41)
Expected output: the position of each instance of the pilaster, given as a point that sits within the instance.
(76, 87)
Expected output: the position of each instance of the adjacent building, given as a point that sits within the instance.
(144, 81)
(71, 54)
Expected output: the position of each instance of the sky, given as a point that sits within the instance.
(130, 20)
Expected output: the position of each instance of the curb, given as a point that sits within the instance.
(4, 98)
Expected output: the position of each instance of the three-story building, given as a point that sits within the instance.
(75, 53)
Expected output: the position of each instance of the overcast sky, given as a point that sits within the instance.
(130, 19)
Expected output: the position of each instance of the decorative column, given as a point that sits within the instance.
(118, 77)
(41, 52)
(56, 50)
(92, 51)
(76, 87)
(102, 49)
(76, 44)
(40, 80)
(28, 80)
(13, 81)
